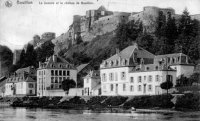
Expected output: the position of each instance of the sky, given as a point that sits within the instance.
(20, 22)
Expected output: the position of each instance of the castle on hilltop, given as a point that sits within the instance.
(101, 21)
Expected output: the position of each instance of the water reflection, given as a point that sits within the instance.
(25, 114)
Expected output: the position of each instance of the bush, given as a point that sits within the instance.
(97, 100)
(77, 100)
(162, 101)
(115, 101)
(188, 101)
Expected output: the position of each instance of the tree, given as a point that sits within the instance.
(30, 56)
(6, 59)
(46, 50)
(166, 85)
(21, 61)
(195, 78)
(182, 81)
(188, 38)
(67, 84)
(126, 33)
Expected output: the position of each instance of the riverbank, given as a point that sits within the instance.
(110, 103)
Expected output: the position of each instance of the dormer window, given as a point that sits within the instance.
(111, 63)
(126, 62)
(52, 66)
(173, 60)
(60, 65)
(106, 63)
(116, 62)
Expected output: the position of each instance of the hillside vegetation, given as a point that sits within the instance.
(6, 59)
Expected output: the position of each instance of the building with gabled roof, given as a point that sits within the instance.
(50, 75)
(178, 61)
(135, 71)
(92, 84)
(21, 83)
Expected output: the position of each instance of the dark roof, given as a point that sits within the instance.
(22, 70)
(128, 52)
(81, 67)
(93, 74)
(59, 60)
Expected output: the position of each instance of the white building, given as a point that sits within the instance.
(135, 71)
(21, 83)
(178, 61)
(50, 75)
(92, 84)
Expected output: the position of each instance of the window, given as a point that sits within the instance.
(149, 87)
(145, 77)
(60, 72)
(56, 79)
(30, 85)
(157, 78)
(60, 86)
(139, 88)
(169, 78)
(116, 76)
(124, 87)
(30, 92)
(139, 79)
(64, 78)
(132, 80)
(60, 79)
(56, 72)
(131, 88)
(104, 88)
(52, 79)
(123, 77)
(111, 87)
(64, 73)
(104, 77)
(111, 76)
(68, 73)
(87, 80)
(150, 78)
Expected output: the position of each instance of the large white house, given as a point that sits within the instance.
(50, 75)
(135, 71)
(21, 83)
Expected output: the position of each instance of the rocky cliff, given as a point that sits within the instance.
(101, 21)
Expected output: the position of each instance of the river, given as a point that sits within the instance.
(25, 114)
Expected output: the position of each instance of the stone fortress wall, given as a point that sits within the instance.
(149, 16)
(101, 21)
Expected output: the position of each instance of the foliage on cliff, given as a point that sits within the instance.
(31, 56)
(6, 58)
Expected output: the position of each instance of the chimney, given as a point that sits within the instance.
(135, 44)
(54, 58)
